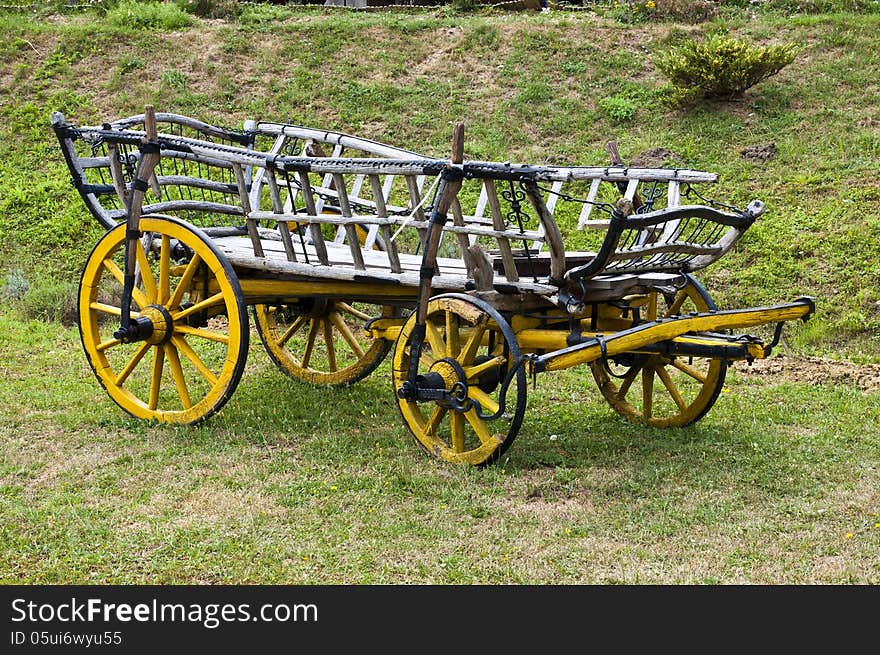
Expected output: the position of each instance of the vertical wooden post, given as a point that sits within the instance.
(312, 210)
(354, 244)
(450, 185)
(278, 208)
(384, 230)
(149, 159)
(245, 200)
(510, 271)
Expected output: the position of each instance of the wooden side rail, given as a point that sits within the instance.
(327, 200)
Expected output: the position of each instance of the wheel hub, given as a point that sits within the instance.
(161, 322)
(450, 371)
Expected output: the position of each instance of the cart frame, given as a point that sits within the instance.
(343, 258)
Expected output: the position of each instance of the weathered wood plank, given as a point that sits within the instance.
(415, 200)
(278, 208)
(552, 235)
(250, 222)
(587, 209)
(463, 240)
(336, 219)
(510, 271)
(354, 244)
(116, 173)
(389, 246)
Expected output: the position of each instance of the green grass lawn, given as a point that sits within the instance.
(291, 483)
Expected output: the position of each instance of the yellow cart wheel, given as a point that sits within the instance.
(467, 342)
(191, 362)
(322, 341)
(658, 390)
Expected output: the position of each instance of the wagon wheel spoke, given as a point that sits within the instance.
(453, 342)
(348, 309)
(479, 426)
(433, 421)
(456, 421)
(132, 363)
(340, 324)
(425, 359)
(104, 345)
(156, 381)
(310, 342)
(136, 294)
(690, 370)
(164, 292)
(328, 343)
(199, 306)
(486, 401)
(293, 329)
(146, 272)
(651, 309)
(667, 381)
(676, 305)
(211, 335)
(647, 391)
(185, 282)
(181, 344)
(435, 339)
(627, 381)
(474, 372)
(469, 351)
(177, 373)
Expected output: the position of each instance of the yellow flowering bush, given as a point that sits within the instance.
(721, 66)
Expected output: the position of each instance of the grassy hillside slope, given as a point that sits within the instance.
(552, 87)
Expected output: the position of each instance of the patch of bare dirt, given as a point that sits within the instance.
(813, 370)
(759, 154)
(656, 158)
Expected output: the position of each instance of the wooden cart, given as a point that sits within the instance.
(346, 249)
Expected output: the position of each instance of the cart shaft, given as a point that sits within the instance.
(664, 336)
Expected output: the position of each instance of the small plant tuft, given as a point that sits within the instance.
(720, 67)
(45, 299)
(16, 285)
(618, 108)
(174, 79)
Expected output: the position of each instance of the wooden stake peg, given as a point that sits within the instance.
(150, 126)
(458, 143)
(613, 153)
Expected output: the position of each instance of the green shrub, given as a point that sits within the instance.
(681, 11)
(465, 6)
(263, 14)
(211, 8)
(129, 63)
(133, 15)
(721, 66)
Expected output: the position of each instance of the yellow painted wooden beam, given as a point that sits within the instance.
(666, 329)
